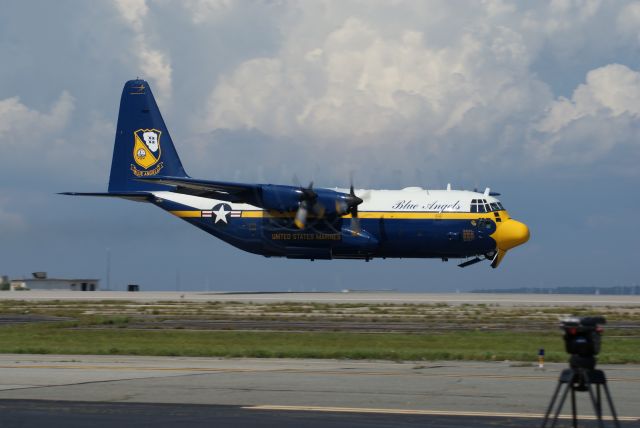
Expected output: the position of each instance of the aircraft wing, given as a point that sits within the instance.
(222, 190)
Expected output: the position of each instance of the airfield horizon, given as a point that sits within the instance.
(395, 297)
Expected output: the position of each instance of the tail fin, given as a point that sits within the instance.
(143, 146)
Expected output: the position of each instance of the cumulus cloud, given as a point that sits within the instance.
(133, 11)
(358, 81)
(22, 125)
(602, 113)
(480, 87)
(203, 10)
(48, 141)
(153, 63)
(612, 90)
(629, 20)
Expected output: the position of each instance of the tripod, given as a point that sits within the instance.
(581, 379)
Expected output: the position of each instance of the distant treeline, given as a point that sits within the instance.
(617, 290)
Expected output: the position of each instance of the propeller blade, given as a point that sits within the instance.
(355, 221)
(355, 225)
(308, 193)
(318, 210)
(341, 207)
(301, 215)
(470, 262)
(353, 202)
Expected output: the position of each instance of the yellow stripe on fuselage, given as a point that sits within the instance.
(184, 214)
(391, 215)
(426, 215)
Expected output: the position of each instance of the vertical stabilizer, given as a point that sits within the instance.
(143, 146)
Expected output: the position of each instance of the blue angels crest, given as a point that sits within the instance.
(146, 147)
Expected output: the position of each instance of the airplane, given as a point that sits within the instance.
(303, 222)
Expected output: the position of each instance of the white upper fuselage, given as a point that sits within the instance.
(408, 199)
(419, 200)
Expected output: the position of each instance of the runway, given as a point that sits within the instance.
(55, 414)
(167, 391)
(350, 297)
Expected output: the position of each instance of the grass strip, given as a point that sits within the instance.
(59, 338)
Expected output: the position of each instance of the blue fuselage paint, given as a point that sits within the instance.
(331, 238)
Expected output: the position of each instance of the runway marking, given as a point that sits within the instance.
(425, 412)
(300, 371)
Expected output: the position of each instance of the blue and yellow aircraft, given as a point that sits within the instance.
(303, 222)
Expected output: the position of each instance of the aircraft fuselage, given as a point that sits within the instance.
(409, 223)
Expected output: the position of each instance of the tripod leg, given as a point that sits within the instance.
(599, 399)
(595, 405)
(551, 403)
(564, 397)
(613, 410)
(574, 410)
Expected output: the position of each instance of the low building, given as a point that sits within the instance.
(40, 281)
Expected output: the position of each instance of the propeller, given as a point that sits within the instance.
(349, 205)
(353, 201)
(345, 204)
(308, 197)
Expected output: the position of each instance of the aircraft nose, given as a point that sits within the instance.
(511, 233)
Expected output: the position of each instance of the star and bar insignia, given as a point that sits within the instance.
(222, 213)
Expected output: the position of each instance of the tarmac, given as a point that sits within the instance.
(343, 297)
(97, 391)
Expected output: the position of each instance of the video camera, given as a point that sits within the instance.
(582, 340)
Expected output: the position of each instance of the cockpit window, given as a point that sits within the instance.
(477, 206)
(481, 206)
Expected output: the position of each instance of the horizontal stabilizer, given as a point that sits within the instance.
(133, 196)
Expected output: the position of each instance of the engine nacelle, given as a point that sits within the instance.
(334, 203)
(321, 202)
(280, 198)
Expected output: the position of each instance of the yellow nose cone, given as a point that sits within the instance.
(510, 233)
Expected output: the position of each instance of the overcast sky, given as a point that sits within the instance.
(540, 101)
